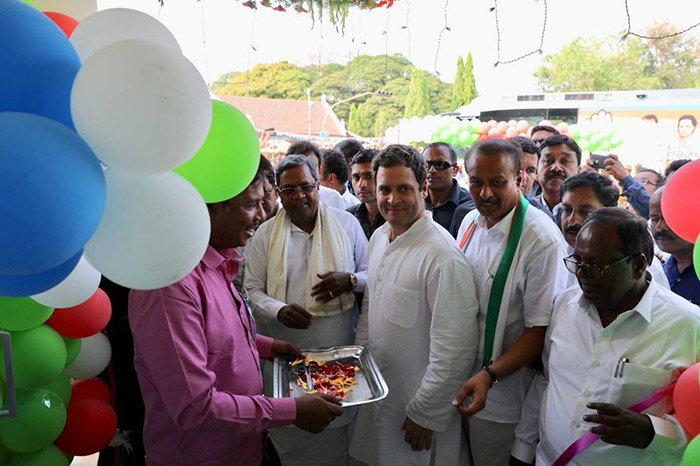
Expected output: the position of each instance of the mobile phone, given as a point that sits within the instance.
(599, 161)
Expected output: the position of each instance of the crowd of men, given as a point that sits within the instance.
(508, 319)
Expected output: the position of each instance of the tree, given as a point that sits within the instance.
(417, 100)
(600, 64)
(469, 87)
(458, 86)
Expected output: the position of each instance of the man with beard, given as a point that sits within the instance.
(560, 159)
(418, 320)
(583, 194)
(367, 213)
(303, 268)
(679, 267)
(515, 252)
(613, 342)
(197, 354)
(444, 193)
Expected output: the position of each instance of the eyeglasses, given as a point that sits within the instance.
(306, 189)
(538, 141)
(645, 181)
(590, 271)
(440, 165)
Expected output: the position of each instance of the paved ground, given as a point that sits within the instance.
(85, 460)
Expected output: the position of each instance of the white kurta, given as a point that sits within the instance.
(419, 321)
(331, 198)
(659, 336)
(349, 199)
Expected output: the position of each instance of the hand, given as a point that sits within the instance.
(477, 388)
(315, 412)
(620, 426)
(284, 347)
(332, 285)
(516, 462)
(419, 437)
(587, 167)
(614, 167)
(294, 316)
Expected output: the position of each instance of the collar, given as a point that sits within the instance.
(415, 229)
(503, 225)
(643, 307)
(213, 259)
(454, 196)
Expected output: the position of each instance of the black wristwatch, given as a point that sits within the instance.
(492, 374)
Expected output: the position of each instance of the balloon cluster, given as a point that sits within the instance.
(593, 136)
(110, 148)
(468, 132)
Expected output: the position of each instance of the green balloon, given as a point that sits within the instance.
(22, 313)
(464, 137)
(616, 140)
(72, 349)
(595, 139)
(585, 132)
(584, 144)
(49, 456)
(691, 457)
(227, 161)
(41, 416)
(61, 387)
(4, 455)
(696, 256)
(475, 123)
(445, 136)
(38, 357)
(605, 145)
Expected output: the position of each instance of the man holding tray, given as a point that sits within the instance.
(303, 269)
(418, 320)
(197, 354)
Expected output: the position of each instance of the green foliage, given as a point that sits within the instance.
(598, 64)
(470, 83)
(458, 86)
(464, 88)
(417, 100)
(364, 73)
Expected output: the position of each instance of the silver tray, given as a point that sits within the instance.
(371, 386)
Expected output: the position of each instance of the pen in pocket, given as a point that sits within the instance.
(620, 367)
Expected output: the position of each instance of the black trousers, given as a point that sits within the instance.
(270, 456)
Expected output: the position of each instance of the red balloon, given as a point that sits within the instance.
(494, 132)
(512, 123)
(484, 128)
(90, 426)
(83, 320)
(686, 397)
(522, 126)
(511, 132)
(65, 22)
(679, 203)
(89, 389)
(492, 123)
(502, 126)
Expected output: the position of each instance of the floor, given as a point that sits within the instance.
(85, 460)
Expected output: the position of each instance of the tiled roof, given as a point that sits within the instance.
(288, 116)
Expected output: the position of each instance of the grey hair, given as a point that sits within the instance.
(294, 161)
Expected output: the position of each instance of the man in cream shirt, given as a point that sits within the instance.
(304, 265)
(519, 309)
(418, 320)
(612, 343)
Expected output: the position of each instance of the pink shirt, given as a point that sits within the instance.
(197, 359)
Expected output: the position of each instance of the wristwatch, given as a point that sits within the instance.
(353, 281)
(492, 374)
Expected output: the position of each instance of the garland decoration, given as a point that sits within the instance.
(337, 9)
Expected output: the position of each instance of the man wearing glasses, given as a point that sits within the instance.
(444, 193)
(303, 268)
(613, 342)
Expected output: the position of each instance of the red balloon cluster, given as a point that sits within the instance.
(686, 399)
(83, 320)
(90, 426)
(89, 389)
(512, 128)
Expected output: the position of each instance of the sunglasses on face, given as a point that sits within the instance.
(440, 165)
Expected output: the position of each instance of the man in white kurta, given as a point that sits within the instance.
(419, 321)
(622, 316)
(536, 277)
(290, 298)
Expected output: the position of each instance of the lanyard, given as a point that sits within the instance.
(499, 281)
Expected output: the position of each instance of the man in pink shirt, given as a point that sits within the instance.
(197, 354)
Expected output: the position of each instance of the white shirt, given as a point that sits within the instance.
(419, 320)
(331, 197)
(349, 199)
(659, 336)
(539, 277)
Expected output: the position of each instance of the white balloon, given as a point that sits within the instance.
(74, 290)
(76, 9)
(95, 354)
(116, 24)
(154, 230)
(142, 107)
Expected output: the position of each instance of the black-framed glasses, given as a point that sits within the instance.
(440, 165)
(306, 189)
(645, 181)
(591, 271)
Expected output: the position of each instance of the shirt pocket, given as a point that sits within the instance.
(638, 383)
(402, 306)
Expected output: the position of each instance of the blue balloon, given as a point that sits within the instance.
(52, 193)
(37, 64)
(17, 286)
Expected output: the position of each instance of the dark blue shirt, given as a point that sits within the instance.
(636, 195)
(686, 284)
(444, 214)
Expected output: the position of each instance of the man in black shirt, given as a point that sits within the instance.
(362, 179)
